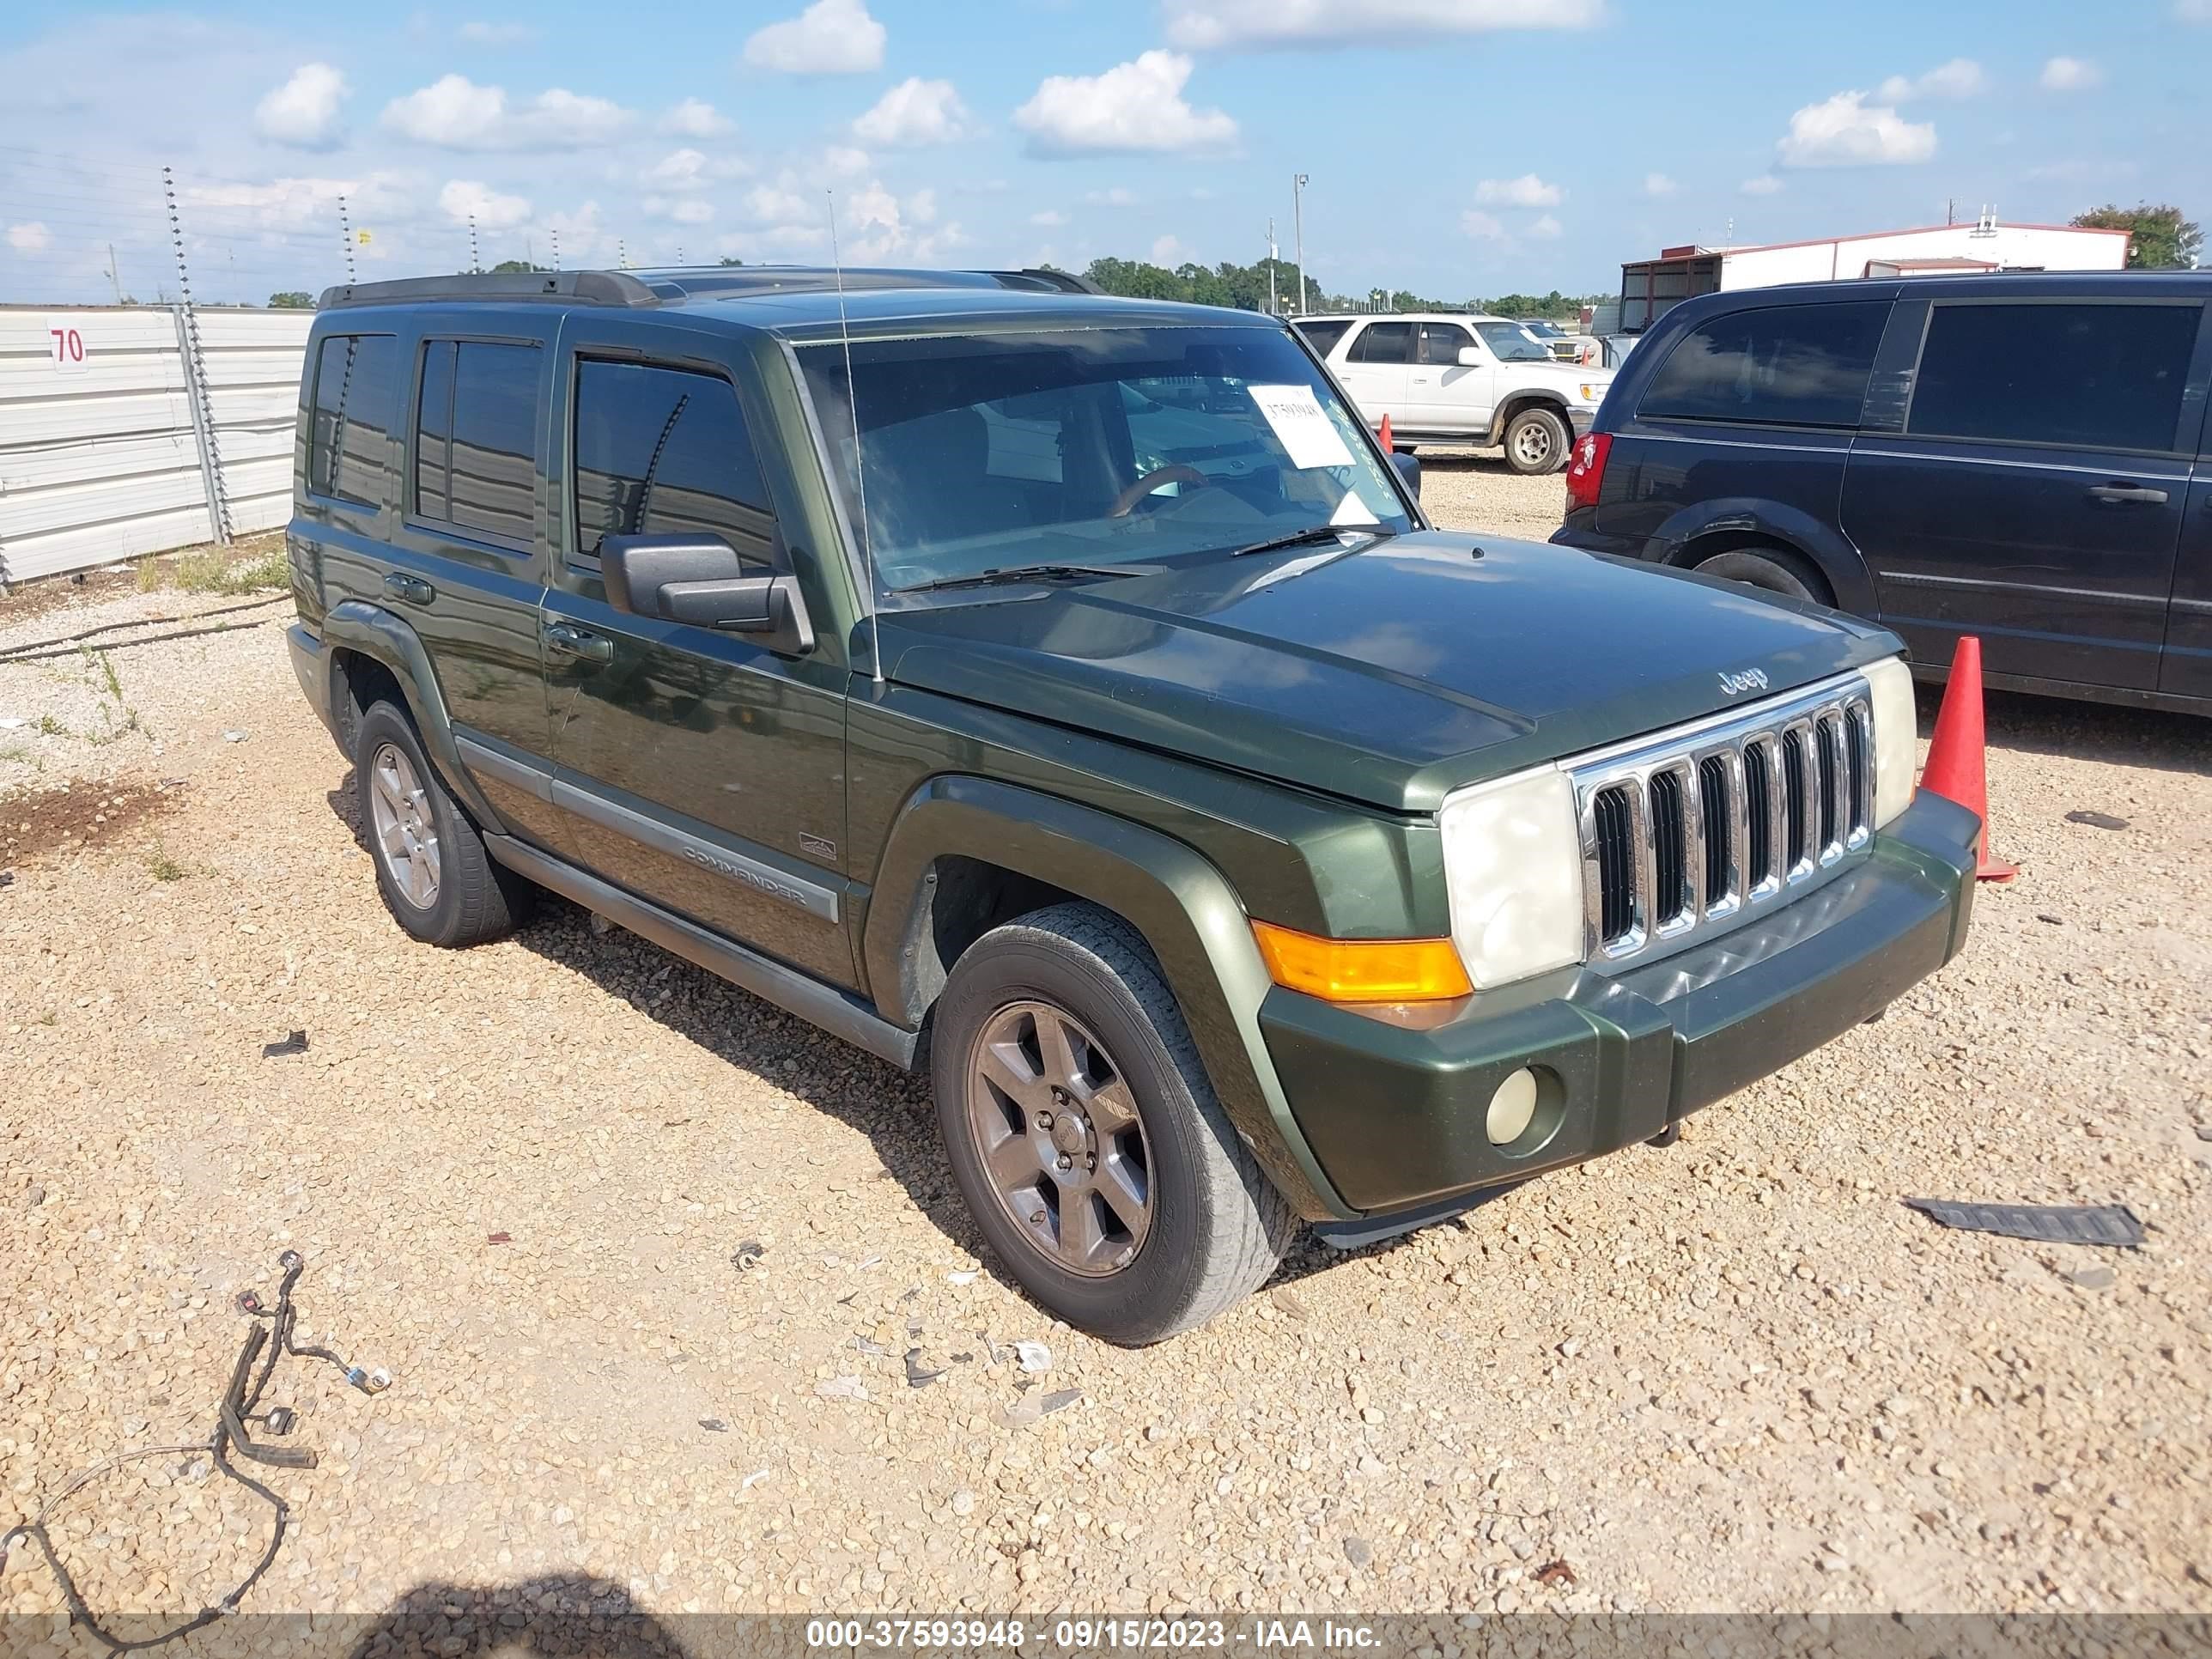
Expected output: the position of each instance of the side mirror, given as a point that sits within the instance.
(1469, 357)
(698, 580)
(1409, 469)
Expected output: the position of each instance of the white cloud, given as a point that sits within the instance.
(1546, 228)
(689, 169)
(1658, 183)
(830, 37)
(1049, 218)
(463, 198)
(303, 112)
(453, 112)
(2071, 75)
(1961, 77)
(1207, 25)
(1119, 196)
(1846, 131)
(696, 118)
(2193, 11)
(386, 198)
(1166, 250)
(29, 237)
(844, 161)
(1527, 190)
(497, 35)
(913, 113)
(780, 203)
(883, 227)
(1764, 183)
(681, 209)
(1483, 227)
(1136, 106)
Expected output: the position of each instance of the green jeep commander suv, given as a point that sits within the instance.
(1066, 695)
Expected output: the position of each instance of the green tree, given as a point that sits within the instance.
(292, 299)
(726, 260)
(516, 265)
(2160, 238)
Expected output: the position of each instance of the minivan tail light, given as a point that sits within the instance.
(1586, 468)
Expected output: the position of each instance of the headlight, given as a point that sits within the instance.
(1513, 866)
(1592, 394)
(1896, 737)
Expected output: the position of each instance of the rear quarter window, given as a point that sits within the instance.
(1321, 336)
(1772, 365)
(355, 389)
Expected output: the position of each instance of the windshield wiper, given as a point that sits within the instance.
(1031, 572)
(1315, 533)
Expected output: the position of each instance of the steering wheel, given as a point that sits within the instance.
(1125, 502)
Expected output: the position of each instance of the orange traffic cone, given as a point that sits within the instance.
(1386, 433)
(1956, 766)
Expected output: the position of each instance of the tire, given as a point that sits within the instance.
(1537, 442)
(1212, 1228)
(432, 869)
(1772, 569)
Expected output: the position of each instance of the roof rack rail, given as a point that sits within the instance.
(1044, 277)
(587, 288)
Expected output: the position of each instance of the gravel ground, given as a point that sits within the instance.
(647, 1258)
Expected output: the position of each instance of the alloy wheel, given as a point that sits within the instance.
(406, 828)
(1057, 1131)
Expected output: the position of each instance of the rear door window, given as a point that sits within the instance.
(2086, 376)
(356, 387)
(1772, 366)
(666, 450)
(475, 455)
(1384, 343)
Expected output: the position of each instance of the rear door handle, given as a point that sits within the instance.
(565, 640)
(2120, 492)
(413, 589)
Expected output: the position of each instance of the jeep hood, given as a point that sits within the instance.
(1390, 673)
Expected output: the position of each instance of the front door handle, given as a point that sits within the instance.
(2120, 492)
(413, 589)
(563, 640)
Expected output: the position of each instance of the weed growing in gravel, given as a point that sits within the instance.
(51, 727)
(20, 756)
(216, 570)
(163, 867)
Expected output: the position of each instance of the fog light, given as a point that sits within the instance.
(1511, 1108)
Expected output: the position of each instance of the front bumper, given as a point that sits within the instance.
(1580, 419)
(1394, 1113)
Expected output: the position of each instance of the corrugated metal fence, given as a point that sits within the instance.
(102, 456)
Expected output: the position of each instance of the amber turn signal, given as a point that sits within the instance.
(1362, 970)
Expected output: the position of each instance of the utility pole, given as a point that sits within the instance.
(114, 282)
(1298, 233)
(475, 261)
(1273, 310)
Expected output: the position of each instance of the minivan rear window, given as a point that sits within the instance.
(1772, 366)
(2085, 376)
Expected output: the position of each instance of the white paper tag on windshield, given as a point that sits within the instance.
(1353, 511)
(1304, 426)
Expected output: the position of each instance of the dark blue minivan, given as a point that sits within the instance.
(2023, 457)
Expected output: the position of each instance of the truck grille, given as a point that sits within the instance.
(1696, 826)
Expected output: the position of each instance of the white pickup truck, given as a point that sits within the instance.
(1452, 379)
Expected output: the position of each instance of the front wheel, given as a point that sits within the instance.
(1086, 1138)
(1536, 443)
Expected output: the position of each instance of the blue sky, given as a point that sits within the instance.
(1454, 147)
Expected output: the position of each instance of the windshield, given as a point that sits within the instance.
(1092, 447)
(1513, 343)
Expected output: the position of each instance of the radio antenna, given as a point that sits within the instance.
(860, 466)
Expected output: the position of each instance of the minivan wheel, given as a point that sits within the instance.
(1535, 442)
(1085, 1136)
(436, 878)
(1776, 570)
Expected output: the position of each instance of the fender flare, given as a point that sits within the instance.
(1829, 549)
(1183, 906)
(1514, 402)
(356, 625)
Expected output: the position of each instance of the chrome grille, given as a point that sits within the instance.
(1689, 829)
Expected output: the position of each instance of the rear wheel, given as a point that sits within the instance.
(1086, 1138)
(1536, 441)
(1774, 569)
(436, 877)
